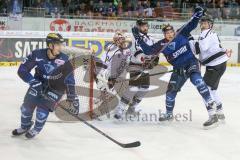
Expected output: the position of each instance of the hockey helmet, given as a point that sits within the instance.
(166, 27)
(54, 38)
(141, 22)
(207, 19)
(119, 38)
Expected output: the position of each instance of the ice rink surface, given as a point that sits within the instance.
(160, 141)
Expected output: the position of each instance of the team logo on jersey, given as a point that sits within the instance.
(38, 59)
(24, 60)
(180, 51)
(41, 115)
(49, 68)
(172, 45)
(59, 62)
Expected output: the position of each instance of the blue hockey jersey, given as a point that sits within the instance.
(56, 72)
(178, 52)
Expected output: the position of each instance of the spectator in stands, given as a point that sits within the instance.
(3, 7)
(38, 4)
(168, 11)
(120, 10)
(48, 6)
(130, 11)
(158, 12)
(234, 8)
(81, 10)
(111, 10)
(224, 8)
(148, 9)
(226, 3)
(139, 10)
(186, 7)
(101, 9)
(68, 6)
(90, 6)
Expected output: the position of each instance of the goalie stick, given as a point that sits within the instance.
(123, 145)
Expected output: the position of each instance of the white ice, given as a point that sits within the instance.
(168, 141)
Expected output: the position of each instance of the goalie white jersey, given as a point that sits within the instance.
(117, 60)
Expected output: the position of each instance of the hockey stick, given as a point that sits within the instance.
(123, 145)
(153, 74)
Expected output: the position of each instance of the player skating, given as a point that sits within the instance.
(49, 64)
(176, 49)
(214, 57)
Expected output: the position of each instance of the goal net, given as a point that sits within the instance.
(93, 104)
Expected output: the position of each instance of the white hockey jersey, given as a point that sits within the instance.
(210, 45)
(116, 60)
(139, 56)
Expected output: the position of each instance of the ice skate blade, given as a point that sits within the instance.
(215, 125)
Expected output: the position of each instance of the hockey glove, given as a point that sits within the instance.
(36, 87)
(199, 11)
(102, 79)
(155, 61)
(73, 105)
(111, 82)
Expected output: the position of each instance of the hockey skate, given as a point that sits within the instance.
(119, 113)
(132, 111)
(20, 131)
(166, 117)
(211, 122)
(31, 133)
(220, 116)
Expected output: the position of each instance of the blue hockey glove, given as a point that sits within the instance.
(36, 87)
(73, 105)
(199, 11)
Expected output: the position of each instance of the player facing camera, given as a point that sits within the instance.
(54, 43)
(119, 39)
(46, 87)
(142, 25)
(169, 32)
(206, 23)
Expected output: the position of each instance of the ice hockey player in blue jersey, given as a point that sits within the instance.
(176, 48)
(53, 77)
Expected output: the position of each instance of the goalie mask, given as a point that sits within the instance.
(119, 40)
